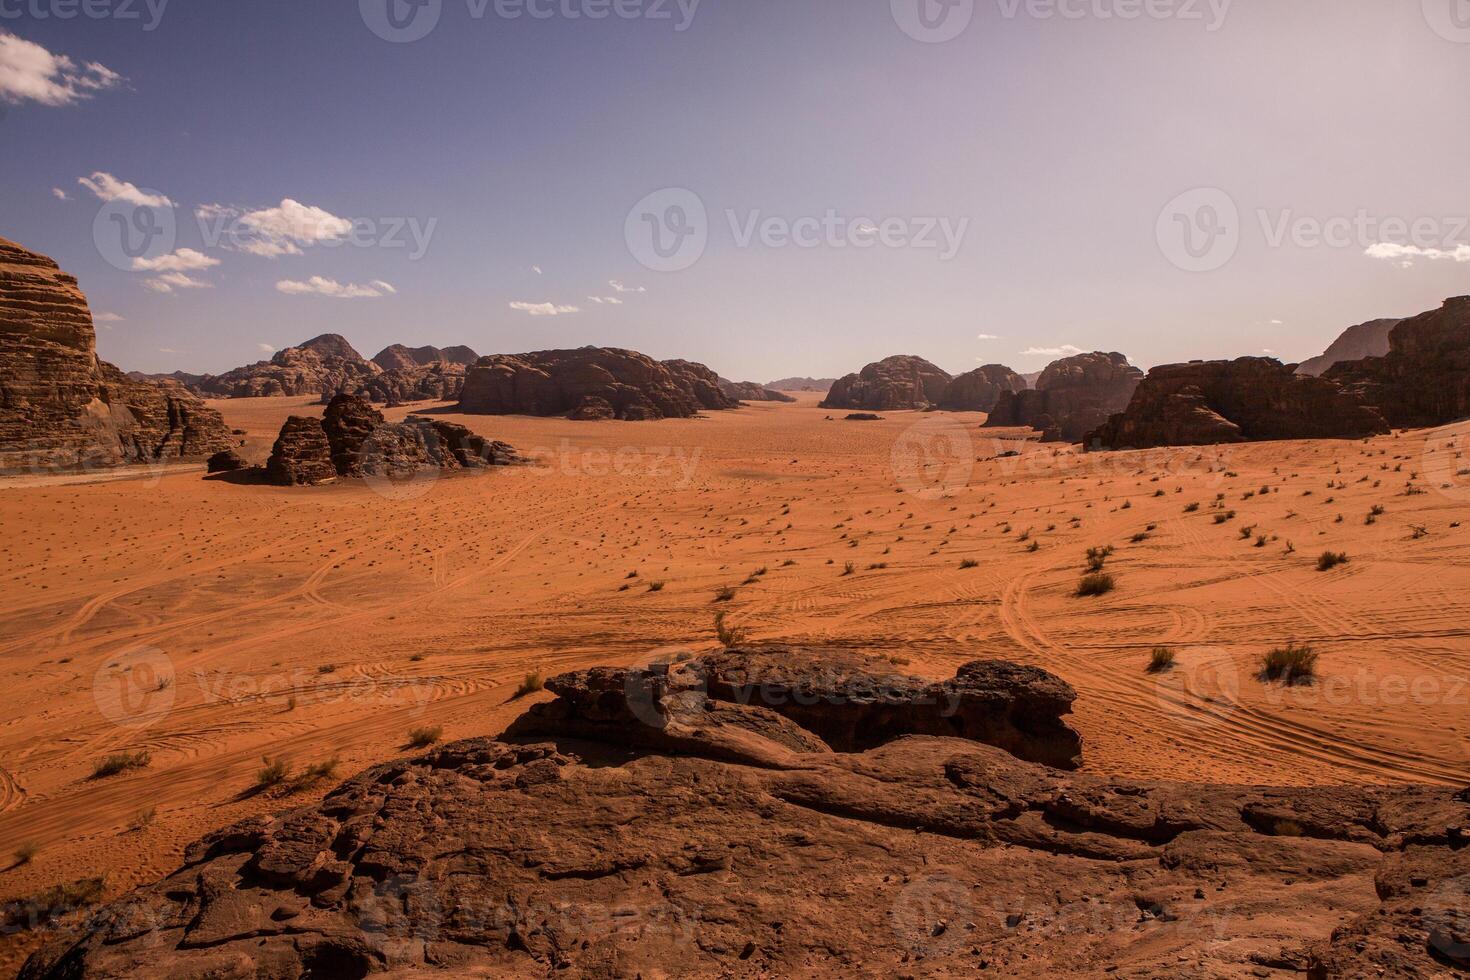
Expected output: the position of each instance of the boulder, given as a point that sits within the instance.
(980, 389)
(893, 384)
(1424, 379)
(863, 417)
(1072, 397)
(60, 406)
(226, 461)
(1245, 400)
(634, 386)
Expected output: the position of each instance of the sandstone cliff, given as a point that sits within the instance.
(893, 384)
(1365, 340)
(980, 389)
(1072, 397)
(1424, 379)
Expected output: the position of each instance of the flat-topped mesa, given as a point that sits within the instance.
(61, 407)
(1072, 397)
(1424, 379)
(980, 389)
(354, 440)
(1249, 399)
(323, 365)
(645, 823)
(591, 383)
(890, 385)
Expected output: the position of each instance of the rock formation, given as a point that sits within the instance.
(399, 357)
(1249, 399)
(62, 407)
(980, 389)
(639, 826)
(1072, 397)
(1424, 379)
(1365, 340)
(226, 461)
(354, 440)
(802, 384)
(438, 382)
(321, 365)
(892, 384)
(749, 391)
(591, 383)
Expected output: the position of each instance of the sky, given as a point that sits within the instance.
(771, 187)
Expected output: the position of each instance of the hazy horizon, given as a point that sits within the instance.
(1018, 191)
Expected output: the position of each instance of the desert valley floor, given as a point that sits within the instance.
(329, 622)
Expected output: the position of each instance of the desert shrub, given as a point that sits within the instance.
(1098, 557)
(530, 684)
(1331, 559)
(848, 569)
(1192, 508)
(725, 595)
(1160, 660)
(729, 636)
(26, 853)
(273, 773)
(1293, 664)
(121, 762)
(424, 736)
(969, 563)
(45, 908)
(655, 586)
(1096, 584)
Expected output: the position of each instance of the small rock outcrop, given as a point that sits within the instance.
(226, 461)
(1246, 400)
(980, 389)
(1424, 379)
(1072, 397)
(321, 365)
(438, 382)
(632, 386)
(890, 385)
(60, 406)
(354, 440)
(642, 825)
(1365, 340)
(749, 391)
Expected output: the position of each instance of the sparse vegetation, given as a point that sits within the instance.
(532, 683)
(1098, 557)
(275, 772)
(1291, 664)
(1331, 559)
(1096, 584)
(725, 595)
(121, 762)
(655, 586)
(425, 736)
(969, 563)
(44, 908)
(729, 636)
(1160, 660)
(26, 853)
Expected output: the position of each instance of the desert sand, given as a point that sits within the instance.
(210, 623)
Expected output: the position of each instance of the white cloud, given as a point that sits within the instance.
(58, 193)
(183, 260)
(987, 336)
(1277, 323)
(318, 286)
(109, 188)
(1406, 254)
(170, 281)
(28, 72)
(1066, 350)
(609, 300)
(273, 232)
(545, 309)
(265, 348)
(108, 318)
(536, 269)
(620, 288)
(168, 350)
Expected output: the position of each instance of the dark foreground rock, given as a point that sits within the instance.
(1072, 397)
(60, 406)
(1424, 379)
(1245, 400)
(634, 386)
(741, 845)
(890, 385)
(354, 440)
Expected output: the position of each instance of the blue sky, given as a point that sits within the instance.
(1056, 142)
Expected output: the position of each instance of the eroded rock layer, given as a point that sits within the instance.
(890, 385)
(1072, 397)
(729, 841)
(1424, 379)
(60, 406)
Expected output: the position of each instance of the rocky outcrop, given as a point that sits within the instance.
(893, 384)
(1246, 400)
(633, 386)
(642, 828)
(749, 391)
(802, 384)
(354, 440)
(439, 382)
(980, 389)
(60, 406)
(321, 365)
(401, 358)
(1365, 340)
(1424, 379)
(1072, 397)
(226, 461)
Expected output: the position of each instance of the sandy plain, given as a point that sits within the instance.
(211, 624)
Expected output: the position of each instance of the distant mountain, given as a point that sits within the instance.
(399, 357)
(1031, 379)
(803, 384)
(183, 378)
(749, 391)
(323, 364)
(1365, 340)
